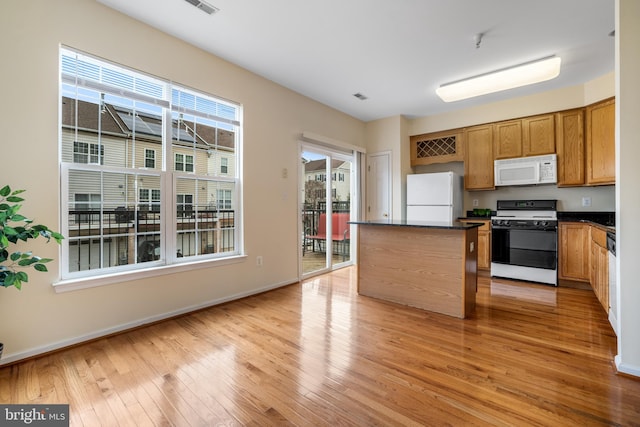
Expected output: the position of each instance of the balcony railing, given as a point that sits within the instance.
(108, 238)
(311, 216)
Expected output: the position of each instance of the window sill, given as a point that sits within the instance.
(109, 279)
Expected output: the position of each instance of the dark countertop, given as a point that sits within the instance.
(455, 225)
(606, 220)
(603, 220)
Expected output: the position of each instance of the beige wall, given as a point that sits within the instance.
(385, 135)
(628, 177)
(37, 318)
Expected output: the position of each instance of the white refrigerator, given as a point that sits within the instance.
(434, 197)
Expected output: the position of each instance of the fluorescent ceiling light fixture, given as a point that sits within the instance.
(507, 78)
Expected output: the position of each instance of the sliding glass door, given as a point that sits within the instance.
(327, 187)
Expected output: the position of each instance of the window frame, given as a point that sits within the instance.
(168, 188)
(224, 202)
(88, 205)
(184, 207)
(99, 148)
(187, 159)
(151, 200)
(148, 158)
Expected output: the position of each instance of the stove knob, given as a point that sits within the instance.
(506, 222)
(544, 223)
(535, 223)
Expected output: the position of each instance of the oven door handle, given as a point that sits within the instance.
(551, 228)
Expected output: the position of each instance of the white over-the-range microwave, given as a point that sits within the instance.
(526, 170)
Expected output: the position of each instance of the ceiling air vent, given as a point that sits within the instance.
(203, 6)
(360, 96)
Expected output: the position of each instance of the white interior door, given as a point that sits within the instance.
(378, 186)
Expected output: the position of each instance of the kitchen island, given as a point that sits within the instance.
(428, 265)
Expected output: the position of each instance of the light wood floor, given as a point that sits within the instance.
(316, 353)
(314, 261)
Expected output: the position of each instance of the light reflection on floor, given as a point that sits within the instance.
(542, 294)
(330, 308)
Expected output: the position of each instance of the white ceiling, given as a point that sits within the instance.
(395, 52)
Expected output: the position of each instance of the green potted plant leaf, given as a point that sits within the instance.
(15, 228)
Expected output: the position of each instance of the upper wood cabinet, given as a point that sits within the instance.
(478, 158)
(600, 146)
(530, 136)
(538, 135)
(438, 147)
(570, 147)
(582, 138)
(507, 139)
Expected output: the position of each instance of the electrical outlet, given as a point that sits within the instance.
(586, 201)
(475, 203)
(259, 260)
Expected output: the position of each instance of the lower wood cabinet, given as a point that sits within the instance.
(583, 257)
(484, 243)
(599, 272)
(574, 243)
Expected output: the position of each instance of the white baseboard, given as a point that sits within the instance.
(14, 357)
(626, 368)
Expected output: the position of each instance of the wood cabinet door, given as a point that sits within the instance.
(484, 242)
(600, 274)
(574, 251)
(601, 147)
(478, 158)
(570, 147)
(508, 139)
(603, 277)
(484, 250)
(538, 135)
(600, 266)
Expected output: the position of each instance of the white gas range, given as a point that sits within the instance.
(524, 241)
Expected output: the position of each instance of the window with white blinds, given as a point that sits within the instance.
(141, 166)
